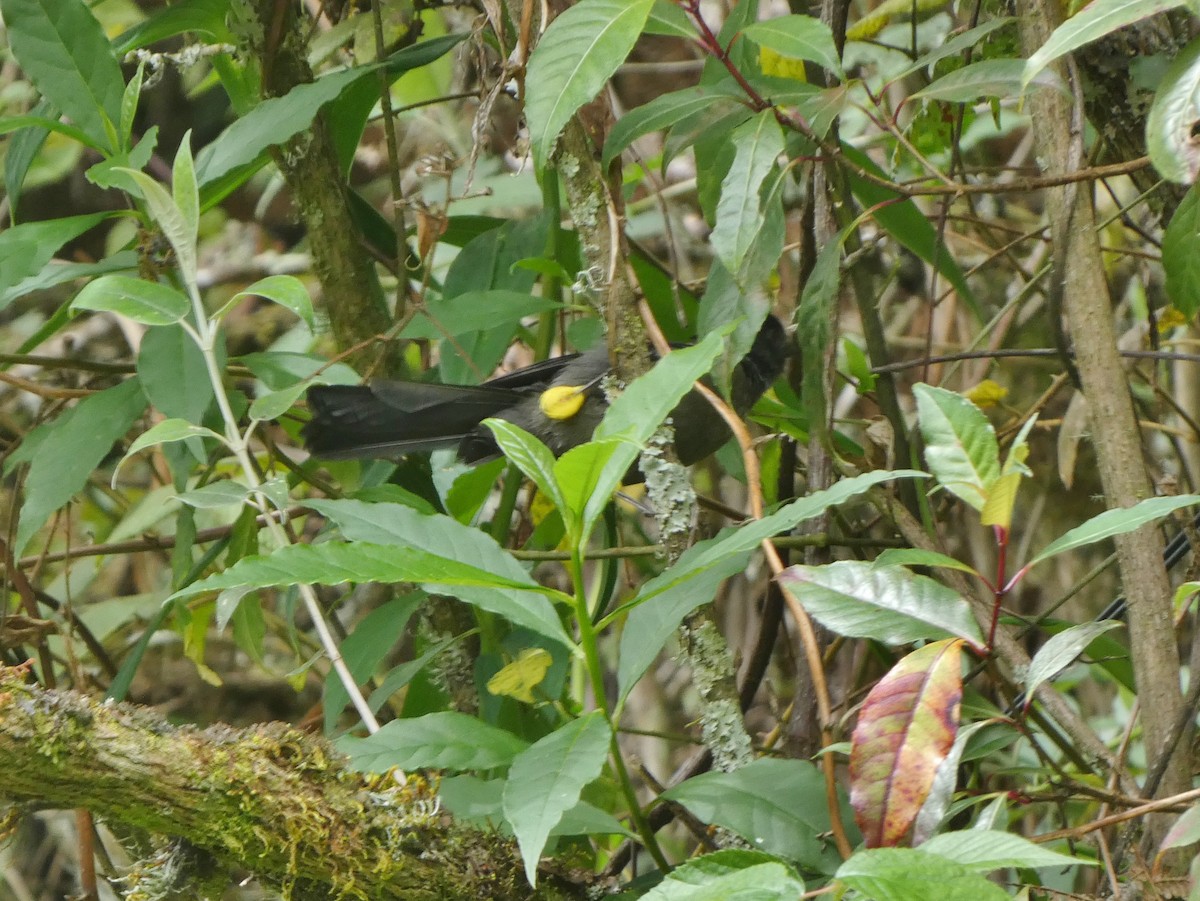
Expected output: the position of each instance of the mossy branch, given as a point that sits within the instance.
(269, 799)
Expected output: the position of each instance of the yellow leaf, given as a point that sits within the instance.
(519, 678)
(987, 394)
(1002, 497)
(781, 66)
(1170, 318)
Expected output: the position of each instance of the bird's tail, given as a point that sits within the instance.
(390, 418)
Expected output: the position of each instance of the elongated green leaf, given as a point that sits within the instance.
(59, 273)
(960, 444)
(214, 495)
(1171, 123)
(666, 18)
(172, 221)
(67, 56)
(915, 557)
(379, 632)
(62, 454)
(676, 592)
(574, 59)
(1061, 650)
(25, 249)
(546, 779)
(1115, 522)
(203, 18)
(664, 111)
(970, 38)
(167, 431)
(444, 741)
(637, 413)
(758, 144)
(474, 311)
(1180, 255)
(887, 603)
(149, 303)
(332, 563)
(797, 37)
(531, 457)
(174, 375)
(729, 874)
(910, 874)
(985, 850)
(272, 122)
(779, 806)
(988, 78)
(908, 225)
(1092, 22)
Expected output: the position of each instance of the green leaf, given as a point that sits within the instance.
(274, 404)
(988, 78)
(25, 249)
(779, 806)
(797, 37)
(272, 122)
(184, 190)
(167, 431)
(664, 111)
(578, 472)
(985, 850)
(286, 290)
(149, 303)
(67, 56)
(907, 874)
(667, 19)
(968, 39)
(530, 456)
(173, 374)
(915, 557)
(1171, 123)
(728, 875)
(960, 444)
(637, 412)
(676, 593)
(474, 311)
(889, 603)
(909, 226)
(1115, 522)
(445, 741)
(546, 779)
(215, 495)
(399, 676)
(379, 632)
(332, 563)
(63, 454)
(574, 59)
(758, 144)
(1060, 651)
(171, 221)
(1094, 21)
(1180, 255)
(203, 18)
(60, 273)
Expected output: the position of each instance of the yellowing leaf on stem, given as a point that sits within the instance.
(519, 678)
(987, 393)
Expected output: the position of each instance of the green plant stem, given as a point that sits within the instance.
(204, 334)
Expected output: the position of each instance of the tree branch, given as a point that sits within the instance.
(270, 799)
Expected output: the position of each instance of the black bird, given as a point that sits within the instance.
(559, 400)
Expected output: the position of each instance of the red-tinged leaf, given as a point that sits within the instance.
(905, 730)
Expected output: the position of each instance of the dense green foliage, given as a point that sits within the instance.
(856, 619)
